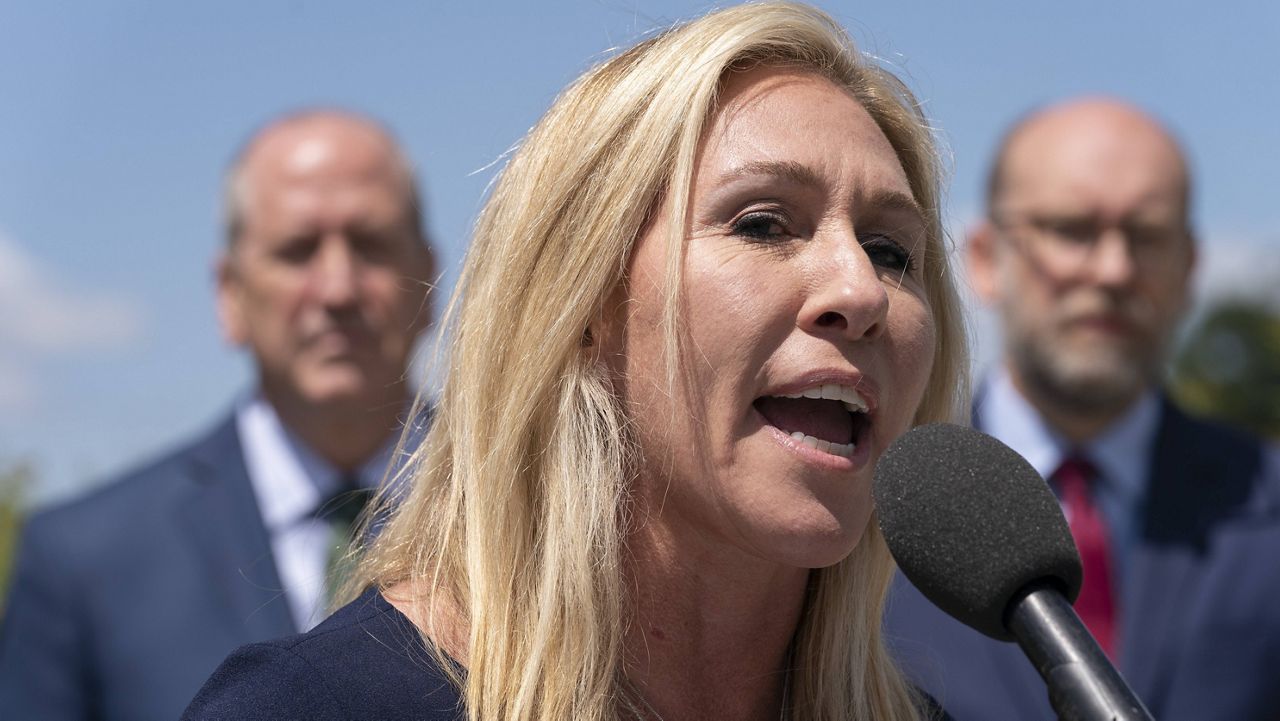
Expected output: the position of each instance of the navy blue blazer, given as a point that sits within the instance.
(366, 661)
(125, 601)
(1200, 609)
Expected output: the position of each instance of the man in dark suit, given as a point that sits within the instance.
(1086, 253)
(125, 601)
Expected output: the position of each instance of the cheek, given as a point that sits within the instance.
(1028, 310)
(277, 296)
(1171, 296)
(385, 293)
(741, 311)
(1021, 291)
(728, 334)
(914, 337)
(630, 342)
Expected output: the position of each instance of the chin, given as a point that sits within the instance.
(815, 555)
(818, 545)
(340, 388)
(1102, 378)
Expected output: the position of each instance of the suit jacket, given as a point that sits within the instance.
(125, 601)
(1200, 610)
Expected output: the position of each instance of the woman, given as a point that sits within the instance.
(707, 292)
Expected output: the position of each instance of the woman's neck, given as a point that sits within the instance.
(711, 635)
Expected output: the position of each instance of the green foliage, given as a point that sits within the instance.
(1230, 368)
(13, 481)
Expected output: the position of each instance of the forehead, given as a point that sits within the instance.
(797, 117)
(1114, 165)
(321, 172)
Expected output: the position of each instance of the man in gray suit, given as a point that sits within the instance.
(124, 601)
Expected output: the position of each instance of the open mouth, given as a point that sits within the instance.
(831, 418)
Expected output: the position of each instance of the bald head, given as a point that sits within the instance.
(1108, 140)
(296, 145)
(1086, 254)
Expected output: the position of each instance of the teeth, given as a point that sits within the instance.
(853, 402)
(835, 449)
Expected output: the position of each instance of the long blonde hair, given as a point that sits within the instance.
(516, 502)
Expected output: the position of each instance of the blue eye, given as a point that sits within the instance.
(761, 227)
(885, 252)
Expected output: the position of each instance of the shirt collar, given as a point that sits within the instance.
(1121, 452)
(289, 479)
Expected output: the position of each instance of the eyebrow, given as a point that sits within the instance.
(801, 174)
(892, 200)
(790, 170)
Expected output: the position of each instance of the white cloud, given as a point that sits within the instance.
(17, 387)
(42, 315)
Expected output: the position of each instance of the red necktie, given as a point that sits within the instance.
(1096, 604)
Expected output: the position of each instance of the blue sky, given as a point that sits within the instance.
(117, 118)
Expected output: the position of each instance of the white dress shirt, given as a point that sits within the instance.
(290, 481)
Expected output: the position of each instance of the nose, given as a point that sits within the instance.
(1113, 261)
(336, 272)
(848, 301)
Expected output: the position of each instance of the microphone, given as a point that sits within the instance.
(978, 531)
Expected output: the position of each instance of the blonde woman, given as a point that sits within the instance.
(707, 292)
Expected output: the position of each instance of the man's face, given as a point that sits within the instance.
(326, 283)
(1087, 257)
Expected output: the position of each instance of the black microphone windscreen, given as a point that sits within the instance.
(971, 523)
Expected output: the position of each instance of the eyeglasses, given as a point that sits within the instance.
(1068, 243)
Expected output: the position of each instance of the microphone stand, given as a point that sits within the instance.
(1083, 685)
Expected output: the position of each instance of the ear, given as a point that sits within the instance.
(981, 252)
(230, 301)
(604, 336)
(595, 334)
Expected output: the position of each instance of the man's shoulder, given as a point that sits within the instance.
(1205, 475)
(1213, 435)
(134, 494)
(1205, 449)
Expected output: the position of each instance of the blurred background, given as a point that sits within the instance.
(117, 119)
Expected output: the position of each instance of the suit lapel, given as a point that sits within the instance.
(1199, 478)
(221, 513)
